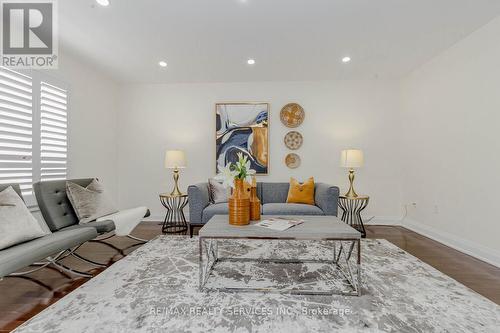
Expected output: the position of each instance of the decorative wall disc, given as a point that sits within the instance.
(292, 161)
(293, 140)
(292, 115)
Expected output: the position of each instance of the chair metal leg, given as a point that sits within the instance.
(71, 271)
(141, 240)
(120, 251)
(40, 265)
(100, 241)
(88, 261)
(103, 237)
(55, 262)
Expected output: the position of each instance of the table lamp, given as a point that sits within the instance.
(175, 159)
(351, 158)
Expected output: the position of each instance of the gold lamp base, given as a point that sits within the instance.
(351, 193)
(176, 191)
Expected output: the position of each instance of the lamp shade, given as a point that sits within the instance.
(351, 158)
(175, 159)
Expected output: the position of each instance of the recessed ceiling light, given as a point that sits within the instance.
(345, 60)
(251, 61)
(162, 64)
(104, 3)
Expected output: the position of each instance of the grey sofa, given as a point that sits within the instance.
(273, 198)
(45, 250)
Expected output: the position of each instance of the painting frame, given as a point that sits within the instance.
(265, 125)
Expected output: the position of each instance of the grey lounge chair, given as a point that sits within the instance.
(45, 251)
(56, 208)
(57, 211)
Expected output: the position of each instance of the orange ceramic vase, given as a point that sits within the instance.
(239, 205)
(254, 204)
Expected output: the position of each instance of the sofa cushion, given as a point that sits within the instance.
(217, 192)
(274, 192)
(301, 193)
(17, 225)
(215, 209)
(89, 202)
(22, 255)
(14, 186)
(290, 209)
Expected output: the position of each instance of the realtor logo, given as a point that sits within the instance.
(29, 33)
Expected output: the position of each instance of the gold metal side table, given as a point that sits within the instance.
(175, 220)
(351, 211)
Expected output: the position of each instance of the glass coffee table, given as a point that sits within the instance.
(345, 255)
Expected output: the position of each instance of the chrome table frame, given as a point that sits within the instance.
(342, 259)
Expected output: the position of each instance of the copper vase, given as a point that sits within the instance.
(254, 204)
(239, 205)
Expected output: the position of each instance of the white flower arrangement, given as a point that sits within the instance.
(239, 170)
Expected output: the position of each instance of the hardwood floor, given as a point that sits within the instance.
(20, 299)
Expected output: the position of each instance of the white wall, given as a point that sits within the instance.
(92, 118)
(430, 139)
(339, 115)
(451, 145)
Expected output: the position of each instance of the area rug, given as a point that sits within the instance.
(155, 289)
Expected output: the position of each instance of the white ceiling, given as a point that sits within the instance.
(210, 40)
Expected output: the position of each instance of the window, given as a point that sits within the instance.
(53, 132)
(33, 129)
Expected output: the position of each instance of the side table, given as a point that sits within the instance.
(175, 220)
(351, 211)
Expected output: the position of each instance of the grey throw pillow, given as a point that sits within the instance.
(89, 202)
(17, 224)
(217, 192)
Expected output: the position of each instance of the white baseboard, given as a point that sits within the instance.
(465, 246)
(382, 220)
(471, 248)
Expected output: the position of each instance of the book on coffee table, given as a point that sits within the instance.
(279, 223)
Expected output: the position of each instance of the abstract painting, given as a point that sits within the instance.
(242, 128)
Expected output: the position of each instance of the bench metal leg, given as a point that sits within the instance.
(141, 240)
(88, 261)
(71, 271)
(55, 262)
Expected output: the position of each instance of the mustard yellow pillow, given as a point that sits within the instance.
(301, 193)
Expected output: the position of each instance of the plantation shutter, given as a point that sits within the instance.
(16, 129)
(53, 132)
(33, 129)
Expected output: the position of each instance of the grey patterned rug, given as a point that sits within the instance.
(154, 289)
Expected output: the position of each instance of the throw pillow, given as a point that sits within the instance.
(301, 193)
(217, 192)
(17, 225)
(89, 202)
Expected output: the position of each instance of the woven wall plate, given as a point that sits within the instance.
(292, 161)
(293, 140)
(292, 115)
